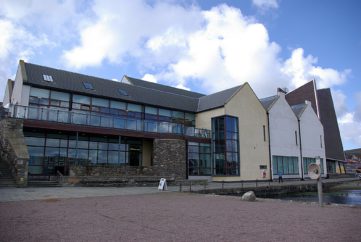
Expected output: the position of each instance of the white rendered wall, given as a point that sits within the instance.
(283, 124)
(312, 136)
(16, 97)
(7, 94)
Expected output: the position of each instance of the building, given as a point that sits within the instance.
(80, 126)
(311, 136)
(322, 104)
(285, 152)
(240, 144)
(353, 161)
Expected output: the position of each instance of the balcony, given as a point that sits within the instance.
(106, 121)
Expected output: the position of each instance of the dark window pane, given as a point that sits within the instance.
(81, 99)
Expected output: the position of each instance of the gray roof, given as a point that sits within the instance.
(217, 99)
(333, 142)
(298, 109)
(267, 102)
(73, 82)
(163, 88)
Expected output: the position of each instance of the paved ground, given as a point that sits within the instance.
(38, 193)
(172, 216)
(30, 193)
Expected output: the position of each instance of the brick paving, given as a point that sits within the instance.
(173, 216)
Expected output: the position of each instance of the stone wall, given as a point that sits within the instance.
(13, 149)
(170, 157)
(169, 161)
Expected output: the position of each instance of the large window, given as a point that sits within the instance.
(199, 159)
(307, 161)
(286, 165)
(225, 146)
(100, 112)
(52, 152)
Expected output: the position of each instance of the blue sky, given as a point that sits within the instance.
(204, 46)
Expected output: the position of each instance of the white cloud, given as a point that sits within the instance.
(358, 107)
(175, 44)
(16, 43)
(300, 69)
(265, 4)
(120, 30)
(350, 130)
(149, 78)
(339, 101)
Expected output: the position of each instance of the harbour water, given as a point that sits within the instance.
(349, 196)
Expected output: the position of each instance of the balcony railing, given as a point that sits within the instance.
(106, 121)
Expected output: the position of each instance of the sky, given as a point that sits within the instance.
(203, 46)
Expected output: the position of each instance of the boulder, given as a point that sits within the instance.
(249, 196)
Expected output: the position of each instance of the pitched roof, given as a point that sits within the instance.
(163, 88)
(73, 82)
(333, 142)
(217, 99)
(298, 109)
(303, 93)
(267, 102)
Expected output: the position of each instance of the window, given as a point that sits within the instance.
(264, 133)
(59, 99)
(287, 165)
(47, 78)
(122, 92)
(225, 145)
(307, 161)
(190, 119)
(199, 159)
(88, 85)
(39, 96)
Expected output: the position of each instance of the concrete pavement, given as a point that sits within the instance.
(36, 193)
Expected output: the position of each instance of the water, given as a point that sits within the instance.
(351, 197)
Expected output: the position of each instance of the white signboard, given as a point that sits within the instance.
(162, 184)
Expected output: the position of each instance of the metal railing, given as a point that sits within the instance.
(107, 121)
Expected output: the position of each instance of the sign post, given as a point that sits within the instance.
(314, 172)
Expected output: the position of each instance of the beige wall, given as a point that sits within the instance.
(147, 152)
(204, 119)
(254, 150)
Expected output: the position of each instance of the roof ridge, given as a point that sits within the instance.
(72, 72)
(160, 84)
(161, 91)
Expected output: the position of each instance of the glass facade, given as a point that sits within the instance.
(86, 104)
(49, 105)
(307, 161)
(199, 159)
(225, 147)
(286, 165)
(52, 152)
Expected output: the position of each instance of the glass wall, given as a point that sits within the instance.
(85, 104)
(286, 165)
(199, 159)
(52, 152)
(225, 146)
(307, 161)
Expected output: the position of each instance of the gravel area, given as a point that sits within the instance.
(174, 216)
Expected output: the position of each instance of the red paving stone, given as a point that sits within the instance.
(175, 217)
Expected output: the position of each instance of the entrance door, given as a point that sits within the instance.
(135, 155)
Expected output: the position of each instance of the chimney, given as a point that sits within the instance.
(282, 91)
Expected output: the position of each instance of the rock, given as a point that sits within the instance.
(249, 196)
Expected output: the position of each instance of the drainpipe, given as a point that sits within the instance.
(269, 149)
(301, 157)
